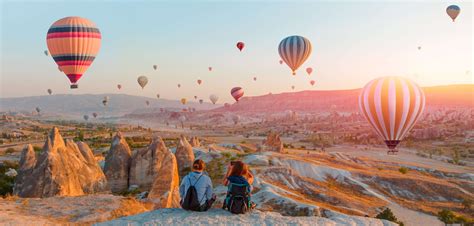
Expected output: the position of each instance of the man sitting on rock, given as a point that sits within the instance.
(196, 188)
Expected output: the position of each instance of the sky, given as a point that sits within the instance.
(353, 43)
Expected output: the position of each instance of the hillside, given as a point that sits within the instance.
(345, 100)
(78, 105)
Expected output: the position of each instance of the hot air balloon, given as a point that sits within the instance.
(94, 114)
(294, 50)
(105, 101)
(255, 78)
(293, 87)
(38, 109)
(73, 43)
(147, 103)
(195, 97)
(240, 46)
(183, 101)
(199, 81)
(392, 105)
(201, 101)
(236, 119)
(158, 96)
(281, 61)
(312, 82)
(86, 117)
(419, 47)
(213, 98)
(46, 53)
(142, 81)
(179, 85)
(119, 86)
(237, 93)
(453, 11)
(155, 67)
(309, 70)
(209, 68)
(50, 91)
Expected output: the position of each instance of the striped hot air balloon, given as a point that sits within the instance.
(237, 93)
(73, 42)
(392, 105)
(294, 51)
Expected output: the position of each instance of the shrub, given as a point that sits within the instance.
(6, 182)
(387, 214)
(10, 150)
(467, 203)
(37, 149)
(446, 216)
(403, 170)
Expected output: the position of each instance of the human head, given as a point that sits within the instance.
(199, 165)
(238, 168)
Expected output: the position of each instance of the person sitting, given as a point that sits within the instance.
(196, 189)
(239, 182)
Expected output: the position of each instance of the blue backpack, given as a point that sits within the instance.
(237, 200)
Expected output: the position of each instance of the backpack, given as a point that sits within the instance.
(237, 200)
(191, 201)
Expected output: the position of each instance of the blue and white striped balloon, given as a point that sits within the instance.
(294, 50)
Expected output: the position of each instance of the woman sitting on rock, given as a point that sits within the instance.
(196, 189)
(239, 182)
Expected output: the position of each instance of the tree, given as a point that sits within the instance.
(467, 204)
(387, 214)
(446, 216)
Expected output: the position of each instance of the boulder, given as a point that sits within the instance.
(117, 164)
(164, 190)
(195, 142)
(61, 169)
(272, 143)
(184, 155)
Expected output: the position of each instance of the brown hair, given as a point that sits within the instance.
(238, 169)
(199, 165)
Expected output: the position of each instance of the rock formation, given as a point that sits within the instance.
(61, 169)
(195, 142)
(184, 155)
(117, 164)
(272, 143)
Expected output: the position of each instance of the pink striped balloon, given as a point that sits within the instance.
(392, 105)
(237, 93)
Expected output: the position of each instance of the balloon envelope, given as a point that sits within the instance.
(155, 67)
(119, 86)
(213, 98)
(309, 70)
(294, 51)
(237, 93)
(183, 100)
(73, 42)
(158, 96)
(94, 114)
(199, 81)
(240, 45)
(312, 82)
(209, 68)
(453, 11)
(392, 105)
(201, 101)
(50, 91)
(86, 117)
(46, 53)
(142, 81)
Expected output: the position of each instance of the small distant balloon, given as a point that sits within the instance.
(195, 97)
(94, 114)
(199, 81)
(155, 67)
(142, 81)
(158, 96)
(209, 68)
(183, 101)
(119, 86)
(46, 53)
(309, 70)
(38, 109)
(453, 11)
(201, 101)
(179, 85)
(312, 82)
(293, 87)
(50, 91)
(105, 101)
(240, 46)
(255, 78)
(86, 117)
(237, 93)
(213, 98)
(419, 47)
(147, 103)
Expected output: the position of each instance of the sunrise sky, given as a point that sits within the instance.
(353, 42)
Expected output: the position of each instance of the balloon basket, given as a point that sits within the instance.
(74, 86)
(392, 152)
